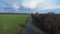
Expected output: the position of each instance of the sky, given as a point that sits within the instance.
(30, 4)
(41, 4)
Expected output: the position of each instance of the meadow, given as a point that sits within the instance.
(12, 23)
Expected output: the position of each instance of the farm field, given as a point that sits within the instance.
(9, 22)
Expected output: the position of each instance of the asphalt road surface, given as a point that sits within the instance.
(29, 27)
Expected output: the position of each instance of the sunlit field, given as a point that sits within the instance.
(9, 23)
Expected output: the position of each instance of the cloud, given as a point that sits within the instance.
(31, 4)
(40, 4)
(48, 6)
(10, 3)
(15, 6)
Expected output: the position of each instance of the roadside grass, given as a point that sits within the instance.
(9, 22)
(38, 30)
(36, 26)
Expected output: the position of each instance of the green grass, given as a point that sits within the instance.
(9, 22)
(36, 26)
(38, 30)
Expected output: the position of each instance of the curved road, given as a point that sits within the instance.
(29, 27)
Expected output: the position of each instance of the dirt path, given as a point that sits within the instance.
(29, 27)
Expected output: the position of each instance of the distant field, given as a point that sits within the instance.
(9, 22)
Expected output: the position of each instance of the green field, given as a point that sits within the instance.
(9, 22)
